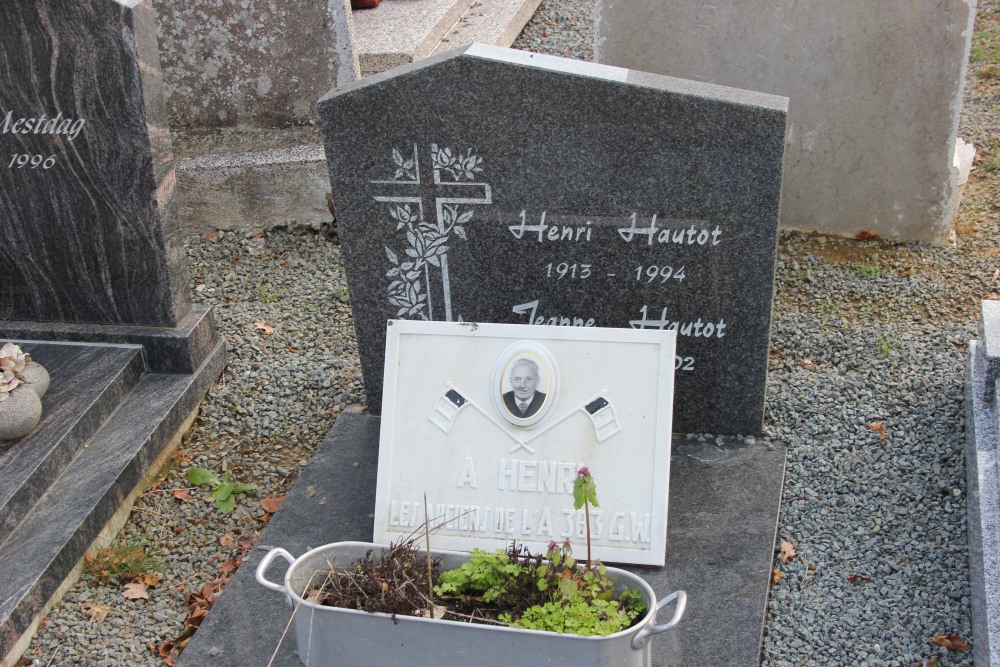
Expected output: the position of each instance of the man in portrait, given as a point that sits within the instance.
(523, 400)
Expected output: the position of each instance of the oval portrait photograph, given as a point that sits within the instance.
(525, 383)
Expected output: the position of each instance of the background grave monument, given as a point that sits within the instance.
(876, 92)
(91, 258)
(241, 83)
(492, 185)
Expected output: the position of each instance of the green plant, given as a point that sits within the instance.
(583, 617)
(585, 495)
(867, 270)
(223, 490)
(267, 296)
(885, 346)
(559, 594)
(126, 557)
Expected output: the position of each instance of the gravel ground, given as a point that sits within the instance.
(864, 333)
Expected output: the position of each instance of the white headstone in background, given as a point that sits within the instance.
(493, 421)
(875, 89)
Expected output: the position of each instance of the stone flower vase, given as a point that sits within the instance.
(24, 382)
(19, 413)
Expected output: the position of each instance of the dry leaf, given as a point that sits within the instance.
(787, 552)
(266, 326)
(272, 503)
(95, 613)
(806, 362)
(776, 576)
(857, 578)
(183, 495)
(151, 578)
(136, 591)
(880, 427)
(226, 540)
(438, 611)
(866, 235)
(950, 642)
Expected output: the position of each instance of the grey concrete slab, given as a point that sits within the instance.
(496, 185)
(720, 544)
(42, 550)
(496, 22)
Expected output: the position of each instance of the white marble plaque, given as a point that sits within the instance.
(492, 422)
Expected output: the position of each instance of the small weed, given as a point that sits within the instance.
(885, 346)
(989, 72)
(117, 560)
(867, 270)
(267, 296)
(989, 166)
(223, 490)
(345, 296)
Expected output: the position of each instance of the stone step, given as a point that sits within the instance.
(402, 31)
(87, 384)
(39, 558)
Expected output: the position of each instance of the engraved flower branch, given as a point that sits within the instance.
(427, 242)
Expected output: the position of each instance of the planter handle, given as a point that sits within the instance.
(642, 637)
(265, 563)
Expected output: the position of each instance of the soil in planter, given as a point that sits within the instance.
(490, 589)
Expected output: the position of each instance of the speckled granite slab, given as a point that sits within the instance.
(494, 185)
(720, 545)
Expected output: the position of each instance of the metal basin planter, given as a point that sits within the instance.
(328, 636)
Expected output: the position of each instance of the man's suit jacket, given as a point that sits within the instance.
(511, 402)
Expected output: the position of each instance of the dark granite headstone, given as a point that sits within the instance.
(87, 212)
(496, 185)
(88, 253)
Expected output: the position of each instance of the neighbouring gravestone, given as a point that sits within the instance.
(87, 207)
(489, 426)
(241, 83)
(254, 64)
(90, 254)
(494, 185)
(876, 90)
